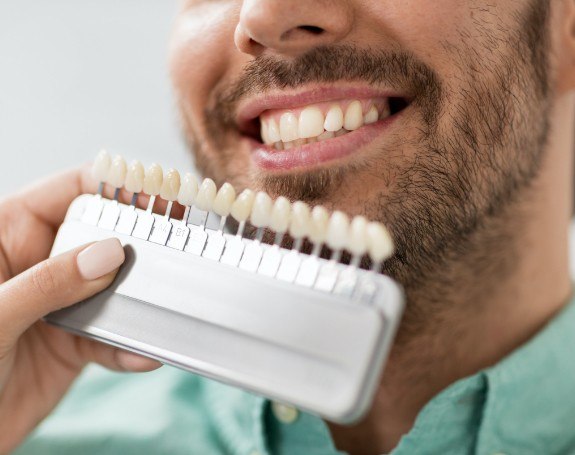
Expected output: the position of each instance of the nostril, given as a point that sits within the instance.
(312, 29)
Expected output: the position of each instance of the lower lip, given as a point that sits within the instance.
(318, 153)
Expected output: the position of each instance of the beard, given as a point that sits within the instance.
(449, 193)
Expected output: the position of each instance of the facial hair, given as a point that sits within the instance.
(477, 151)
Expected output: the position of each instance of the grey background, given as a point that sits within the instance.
(78, 75)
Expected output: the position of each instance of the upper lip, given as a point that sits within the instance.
(251, 108)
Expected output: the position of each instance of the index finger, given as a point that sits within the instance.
(49, 198)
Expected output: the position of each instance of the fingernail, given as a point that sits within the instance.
(100, 258)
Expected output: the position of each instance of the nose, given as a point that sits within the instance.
(291, 27)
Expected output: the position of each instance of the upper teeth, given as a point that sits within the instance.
(319, 122)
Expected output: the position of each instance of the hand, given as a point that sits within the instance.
(38, 362)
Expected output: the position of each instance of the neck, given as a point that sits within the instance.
(490, 307)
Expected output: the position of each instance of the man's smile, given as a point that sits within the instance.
(311, 127)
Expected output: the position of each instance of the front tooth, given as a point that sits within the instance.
(337, 231)
(206, 195)
(310, 123)
(153, 180)
(288, 127)
(188, 190)
(264, 133)
(289, 145)
(326, 135)
(353, 116)
(280, 216)
(101, 166)
(357, 243)
(279, 145)
(341, 132)
(333, 119)
(117, 174)
(299, 223)
(273, 131)
(242, 206)
(261, 210)
(135, 177)
(372, 116)
(379, 242)
(318, 224)
(224, 200)
(170, 185)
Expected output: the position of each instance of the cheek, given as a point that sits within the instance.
(201, 52)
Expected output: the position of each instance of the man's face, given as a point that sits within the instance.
(461, 91)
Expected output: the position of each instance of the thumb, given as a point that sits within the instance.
(55, 283)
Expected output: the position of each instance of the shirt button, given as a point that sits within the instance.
(284, 413)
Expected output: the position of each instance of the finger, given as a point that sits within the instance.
(55, 283)
(114, 358)
(48, 199)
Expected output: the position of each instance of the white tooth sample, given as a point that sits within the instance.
(224, 200)
(310, 122)
(188, 190)
(117, 174)
(337, 231)
(280, 216)
(326, 135)
(153, 180)
(353, 118)
(372, 116)
(333, 119)
(261, 210)
(264, 132)
(170, 185)
(101, 166)
(357, 243)
(206, 195)
(379, 242)
(319, 220)
(273, 131)
(242, 206)
(299, 222)
(135, 177)
(288, 127)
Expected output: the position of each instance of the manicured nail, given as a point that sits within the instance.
(100, 258)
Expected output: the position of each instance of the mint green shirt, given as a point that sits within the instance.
(523, 405)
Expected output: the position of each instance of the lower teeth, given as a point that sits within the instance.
(299, 142)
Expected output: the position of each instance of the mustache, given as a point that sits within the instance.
(326, 64)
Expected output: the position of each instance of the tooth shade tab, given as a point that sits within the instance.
(280, 215)
(319, 220)
(261, 210)
(242, 206)
(357, 244)
(117, 174)
(206, 195)
(135, 177)
(299, 222)
(153, 179)
(379, 242)
(337, 231)
(188, 190)
(101, 166)
(224, 200)
(170, 185)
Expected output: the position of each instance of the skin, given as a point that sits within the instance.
(39, 362)
(473, 180)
